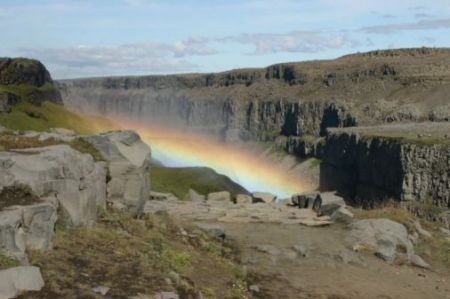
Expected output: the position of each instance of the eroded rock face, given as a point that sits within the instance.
(73, 179)
(24, 227)
(128, 159)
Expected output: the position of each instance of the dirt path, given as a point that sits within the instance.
(330, 269)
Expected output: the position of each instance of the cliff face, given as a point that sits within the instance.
(292, 99)
(372, 169)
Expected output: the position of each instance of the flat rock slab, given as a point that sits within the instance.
(13, 281)
(223, 211)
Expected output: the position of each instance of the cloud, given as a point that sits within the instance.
(121, 59)
(296, 41)
(420, 25)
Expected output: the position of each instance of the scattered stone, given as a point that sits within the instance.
(162, 196)
(254, 288)
(419, 262)
(243, 199)
(101, 290)
(264, 197)
(330, 203)
(269, 249)
(301, 250)
(213, 229)
(342, 215)
(194, 196)
(422, 232)
(13, 281)
(166, 295)
(219, 196)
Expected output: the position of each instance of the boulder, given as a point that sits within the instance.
(128, 160)
(13, 281)
(384, 236)
(330, 202)
(219, 196)
(213, 229)
(306, 200)
(59, 172)
(263, 197)
(342, 215)
(243, 199)
(194, 196)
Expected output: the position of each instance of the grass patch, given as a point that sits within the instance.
(18, 194)
(436, 248)
(134, 256)
(8, 262)
(26, 116)
(180, 179)
(392, 211)
(315, 162)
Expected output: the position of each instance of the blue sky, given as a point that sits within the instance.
(131, 37)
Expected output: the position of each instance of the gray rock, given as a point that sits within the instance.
(166, 295)
(342, 215)
(243, 199)
(13, 281)
(194, 196)
(330, 203)
(213, 229)
(422, 232)
(254, 288)
(219, 196)
(60, 172)
(383, 235)
(263, 197)
(27, 226)
(101, 290)
(128, 160)
(419, 262)
(301, 250)
(269, 249)
(345, 256)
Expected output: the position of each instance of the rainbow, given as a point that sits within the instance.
(181, 149)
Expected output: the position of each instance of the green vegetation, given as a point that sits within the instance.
(134, 256)
(203, 180)
(8, 262)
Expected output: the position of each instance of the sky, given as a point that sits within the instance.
(86, 38)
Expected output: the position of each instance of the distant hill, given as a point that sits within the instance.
(178, 180)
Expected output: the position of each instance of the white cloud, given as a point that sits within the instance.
(121, 59)
(420, 25)
(297, 41)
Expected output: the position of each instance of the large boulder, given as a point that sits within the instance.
(128, 160)
(384, 236)
(71, 178)
(219, 196)
(16, 280)
(330, 202)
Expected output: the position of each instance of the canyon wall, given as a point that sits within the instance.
(291, 99)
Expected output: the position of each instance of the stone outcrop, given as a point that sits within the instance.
(24, 227)
(128, 159)
(70, 179)
(370, 169)
(16, 280)
(7, 100)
